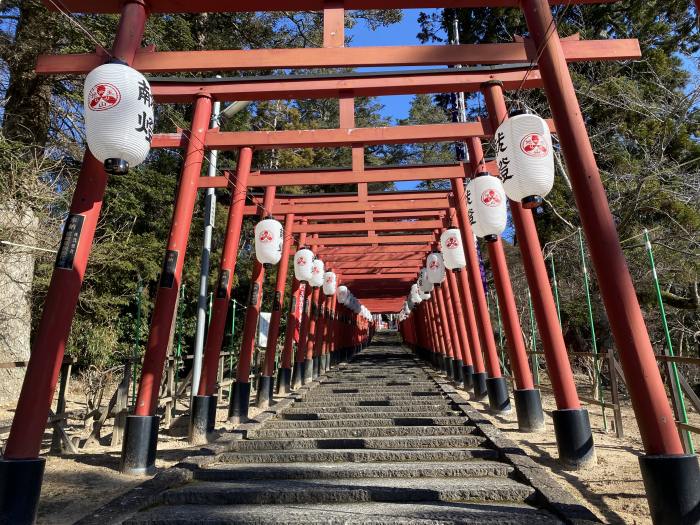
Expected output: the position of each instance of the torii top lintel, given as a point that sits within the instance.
(213, 6)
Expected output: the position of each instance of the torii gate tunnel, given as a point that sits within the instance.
(375, 242)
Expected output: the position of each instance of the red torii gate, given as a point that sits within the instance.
(671, 477)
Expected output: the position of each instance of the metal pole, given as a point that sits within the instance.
(533, 341)
(231, 345)
(227, 266)
(555, 286)
(209, 220)
(178, 348)
(141, 432)
(137, 340)
(676, 389)
(594, 343)
(240, 403)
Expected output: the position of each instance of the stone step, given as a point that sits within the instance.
(232, 472)
(357, 455)
(388, 443)
(353, 389)
(342, 421)
(347, 514)
(373, 396)
(336, 402)
(373, 411)
(361, 432)
(281, 492)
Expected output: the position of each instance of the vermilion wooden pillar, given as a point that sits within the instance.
(454, 333)
(21, 470)
(240, 400)
(300, 355)
(284, 376)
(203, 411)
(266, 379)
(571, 423)
(321, 332)
(481, 310)
(315, 307)
(445, 330)
(464, 362)
(671, 478)
(528, 402)
(141, 433)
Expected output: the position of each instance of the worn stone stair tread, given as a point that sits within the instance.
(358, 455)
(347, 421)
(447, 469)
(263, 492)
(321, 403)
(437, 513)
(361, 432)
(365, 409)
(391, 443)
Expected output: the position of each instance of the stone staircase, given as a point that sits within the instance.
(375, 441)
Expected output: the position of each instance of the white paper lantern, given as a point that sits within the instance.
(303, 261)
(415, 294)
(487, 206)
(329, 283)
(343, 294)
(118, 116)
(525, 158)
(452, 249)
(435, 267)
(268, 241)
(317, 273)
(424, 283)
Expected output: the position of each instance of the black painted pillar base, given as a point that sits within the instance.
(297, 375)
(262, 397)
(457, 370)
(316, 366)
(308, 371)
(572, 429)
(467, 377)
(240, 401)
(213, 407)
(284, 378)
(328, 362)
(528, 407)
(672, 485)
(139, 445)
(200, 419)
(20, 488)
(449, 368)
(479, 391)
(497, 389)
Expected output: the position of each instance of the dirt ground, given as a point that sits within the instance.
(75, 485)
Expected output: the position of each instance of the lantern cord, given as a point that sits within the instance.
(551, 29)
(61, 7)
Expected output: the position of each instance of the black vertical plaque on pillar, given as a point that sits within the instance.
(254, 292)
(69, 242)
(277, 302)
(222, 285)
(167, 276)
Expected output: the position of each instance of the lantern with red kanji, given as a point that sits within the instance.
(118, 116)
(525, 158)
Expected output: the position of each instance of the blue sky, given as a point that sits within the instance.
(401, 34)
